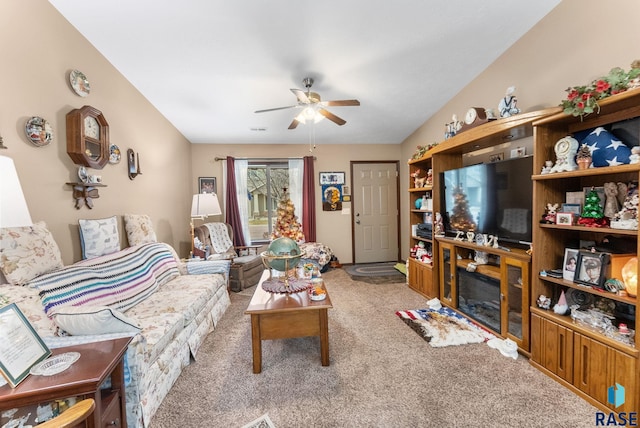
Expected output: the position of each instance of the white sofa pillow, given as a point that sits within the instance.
(27, 252)
(99, 237)
(139, 229)
(83, 320)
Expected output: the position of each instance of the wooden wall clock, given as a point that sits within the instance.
(88, 137)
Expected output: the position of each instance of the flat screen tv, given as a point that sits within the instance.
(493, 198)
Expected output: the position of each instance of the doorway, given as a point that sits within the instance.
(375, 219)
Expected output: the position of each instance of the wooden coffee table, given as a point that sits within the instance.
(285, 316)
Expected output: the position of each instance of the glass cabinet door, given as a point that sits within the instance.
(515, 298)
(447, 275)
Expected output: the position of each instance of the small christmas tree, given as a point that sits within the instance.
(592, 213)
(287, 224)
(461, 216)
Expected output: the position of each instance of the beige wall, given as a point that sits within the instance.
(333, 227)
(39, 48)
(578, 41)
(575, 43)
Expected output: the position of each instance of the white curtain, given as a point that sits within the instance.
(241, 167)
(296, 169)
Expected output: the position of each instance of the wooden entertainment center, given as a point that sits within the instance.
(582, 358)
(431, 279)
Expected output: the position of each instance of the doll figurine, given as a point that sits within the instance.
(508, 105)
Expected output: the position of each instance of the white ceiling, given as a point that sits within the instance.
(207, 65)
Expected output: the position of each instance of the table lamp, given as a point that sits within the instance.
(13, 207)
(203, 205)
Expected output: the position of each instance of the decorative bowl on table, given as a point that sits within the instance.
(55, 365)
(317, 291)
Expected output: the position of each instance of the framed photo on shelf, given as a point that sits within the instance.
(570, 263)
(207, 185)
(591, 269)
(565, 219)
(331, 178)
(20, 345)
(575, 198)
(572, 208)
(496, 157)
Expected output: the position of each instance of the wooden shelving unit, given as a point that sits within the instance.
(580, 357)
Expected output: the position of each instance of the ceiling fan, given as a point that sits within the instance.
(313, 106)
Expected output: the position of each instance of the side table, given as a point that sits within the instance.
(97, 362)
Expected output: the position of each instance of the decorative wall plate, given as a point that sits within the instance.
(79, 83)
(114, 154)
(39, 131)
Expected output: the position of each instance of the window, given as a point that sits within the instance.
(266, 183)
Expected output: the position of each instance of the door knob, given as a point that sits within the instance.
(358, 221)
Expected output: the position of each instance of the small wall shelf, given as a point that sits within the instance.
(85, 193)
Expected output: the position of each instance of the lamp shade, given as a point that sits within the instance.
(13, 207)
(204, 205)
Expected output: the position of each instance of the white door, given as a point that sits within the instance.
(375, 211)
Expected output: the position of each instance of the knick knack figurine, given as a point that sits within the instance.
(424, 203)
(508, 105)
(583, 157)
(635, 155)
(611, 206)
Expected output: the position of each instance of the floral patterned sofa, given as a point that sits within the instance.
(149, 296)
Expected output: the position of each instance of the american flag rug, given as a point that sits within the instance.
(443, 327)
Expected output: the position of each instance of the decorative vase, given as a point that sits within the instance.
(418, 203)
(583, 163)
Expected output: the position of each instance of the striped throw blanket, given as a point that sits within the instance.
(207, 267)
(119, 280)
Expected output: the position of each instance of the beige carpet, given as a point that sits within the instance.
(382, 374)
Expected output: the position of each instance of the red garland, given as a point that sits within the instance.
(593, 222)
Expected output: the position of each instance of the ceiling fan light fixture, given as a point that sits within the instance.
(313, 109)
(309, 114)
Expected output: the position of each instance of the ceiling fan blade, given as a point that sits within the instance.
(301, 96)
(332, 117)
(340, 103)
(274, 109)
(294, 124)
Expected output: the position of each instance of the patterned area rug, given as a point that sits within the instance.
(443, 327)
(262, 422)
(375, 273)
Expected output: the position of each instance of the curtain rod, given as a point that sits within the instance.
(261, 159)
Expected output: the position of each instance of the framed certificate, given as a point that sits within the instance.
(20, 345)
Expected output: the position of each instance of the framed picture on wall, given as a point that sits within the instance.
(330, 178)
(207, 185)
